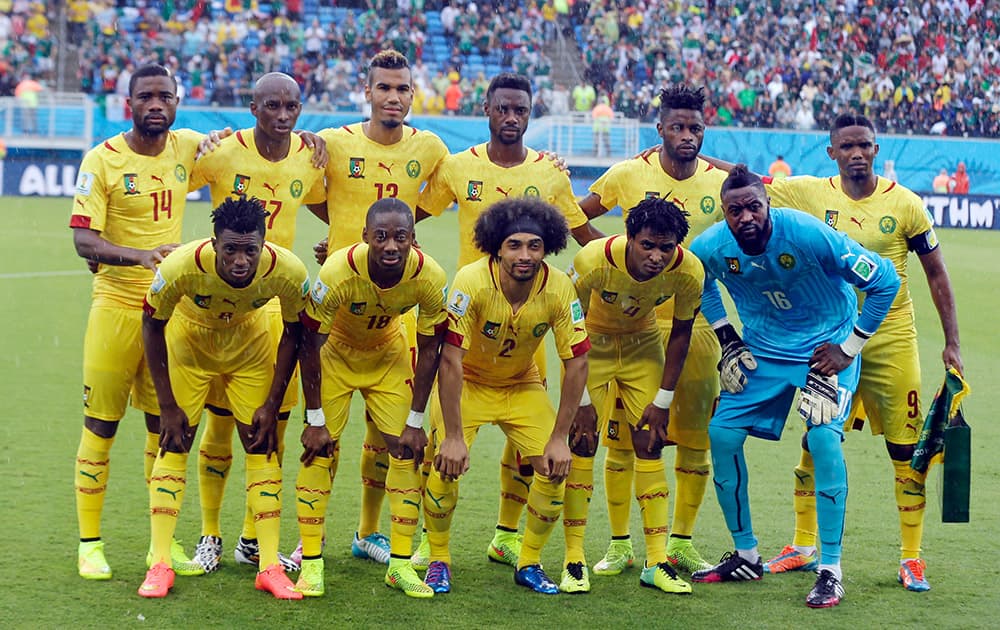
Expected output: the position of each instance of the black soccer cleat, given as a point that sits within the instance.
(826, 592)
(731, 568)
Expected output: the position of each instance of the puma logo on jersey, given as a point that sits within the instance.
(857, 221)
(274, 190)
(388, 169)
(680, 203)
(156, 179)
(757, 265)
(503, 192)
(228, 301)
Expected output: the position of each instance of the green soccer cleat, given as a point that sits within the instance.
(663, 577)
(180, 563)
(401, 576)
(90, 561)
(505, 548)
(310, 582)
(682, 556)
(421, 558)
(575, 578)
(618, 558)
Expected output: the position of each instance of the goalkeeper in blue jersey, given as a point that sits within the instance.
(791, 279)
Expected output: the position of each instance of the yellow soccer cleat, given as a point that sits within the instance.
(663, 577)
(310, 582)
(401, 575)
(618, 558)
(180, 563)
(91, 562)
(504, 548)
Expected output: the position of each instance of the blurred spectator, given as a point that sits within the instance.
(779, 168)
(583, 97)
(26, 93)
(889, 171)
(942, 182)
(960, 180)
(601, 116)
(452, 98)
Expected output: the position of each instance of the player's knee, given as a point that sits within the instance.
(101, 428)
(645, 446)
(900, 452)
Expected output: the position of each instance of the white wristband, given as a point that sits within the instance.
(315, 418)
(852, 345)
(415, 420)
(663, 398)
(585, 398)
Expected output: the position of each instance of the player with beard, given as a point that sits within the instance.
(673, 172)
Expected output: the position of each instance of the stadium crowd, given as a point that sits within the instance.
(25, 43)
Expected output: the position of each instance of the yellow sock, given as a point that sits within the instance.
(440, 497)
(912, 502)
(545, 502)
(264, 497)
(215, 461)
(374, 467)
(579, 489)
(93, 464)
(804, 502)
(514, 489)
(653, 496)
(691, 470)
(312, 495)
(249, 524)
(166, 493)
(618, 473)
(402, 486)
(149, 452)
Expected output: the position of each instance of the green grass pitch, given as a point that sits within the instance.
(44, 297)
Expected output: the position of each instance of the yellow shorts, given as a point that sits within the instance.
(889, 389)
(241, 357)
(114, 366)
(383, 376)
(523, 412)
(634, 364)
(276, 325)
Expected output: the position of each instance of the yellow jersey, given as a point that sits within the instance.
(471, 179)
(187, 280)
(133, 201)
(237, 169)
(347, 304)
(500, 345)
(362, 171)
(617, 303)
(890, 221)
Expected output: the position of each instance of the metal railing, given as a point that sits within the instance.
(61, 120)
(573, 136)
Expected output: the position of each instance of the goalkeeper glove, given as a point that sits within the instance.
(735, 353)
(818, 402)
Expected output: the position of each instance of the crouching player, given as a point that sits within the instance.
(215, 290)
(353, 331)
(792, 279)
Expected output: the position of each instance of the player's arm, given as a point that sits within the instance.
(264, 425)
(944, 301)
(452, 459)
(321, 211)
(316, 441)
(557, 457)
(318, 145)
(657, 413)
(95, 248)
(413, 437)
(585, 233)
(174, 423)
(592, 206)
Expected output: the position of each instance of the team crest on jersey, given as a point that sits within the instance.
(540, 329)
(613, 430)
(459, 303)
(84, 183)
(662, 299)
(413, 169)
(86, 395)
(887, 224)
(609, 297)
(241, 183)
(707, 204)
(131, 183)
(651, 194)
(180, 173)
(203, 301)
(787, 261)
(295, 188)
(319, 291)
(356, 168)
(475, 191)
(358, 308)
(259, 302)
(864, 268)
(532, 191)
(491, 329)
(831, 218)
(733, 264)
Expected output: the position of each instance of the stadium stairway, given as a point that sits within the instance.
(566, 60)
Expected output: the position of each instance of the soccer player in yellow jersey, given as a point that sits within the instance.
(620, 281)
(483, 174)
(377, 159)
(353, 329)
(215, 291)
(274, 165)
(499, 310)
(130, 198)
(891, 221)
(674, 173)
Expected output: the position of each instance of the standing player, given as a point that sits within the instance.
(274, 165)
(218, 289)
(373, 160)
(891, 221)
(499, 310)
(475, 178)
(127, 213)
(674, 173)
(353, 327)
(791, 280)
(621, 281)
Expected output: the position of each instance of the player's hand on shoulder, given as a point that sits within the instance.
(320, 251)
(320, 155)
(646, 153)
(316, 442)
(452, 459)
(412, 442)
(212, 140)
(557, 160)
(151, 258)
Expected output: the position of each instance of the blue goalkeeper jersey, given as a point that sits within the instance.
(798, 293)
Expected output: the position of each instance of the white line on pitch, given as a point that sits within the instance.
(43, 274)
